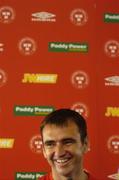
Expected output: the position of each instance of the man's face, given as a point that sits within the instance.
(63, 148)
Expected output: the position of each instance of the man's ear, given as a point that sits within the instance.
(86, 145)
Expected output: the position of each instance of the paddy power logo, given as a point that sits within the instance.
(28, 175)
(111, 17)
(39, 78)
(32, 110)
(6, 143)
(112, 112)
(68, 47)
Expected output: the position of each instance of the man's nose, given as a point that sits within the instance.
(59, 150)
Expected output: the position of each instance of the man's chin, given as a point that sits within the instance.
(64, 172)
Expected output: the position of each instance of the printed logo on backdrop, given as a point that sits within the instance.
(28, 175)
(3, 78)
(36, 144)
(40, 78)
(111, 17)
(6, 143)
(27, 46)
(32, 110)
(112, 48)
(7, 14)
(68, 47)
(81, 108)
(1, 47)
(113, 144)
(112, 81)
(112, 112)
(79, 17)
(115, 175)
(80, 79)
(43, 17)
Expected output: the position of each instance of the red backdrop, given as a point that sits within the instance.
(56, 54)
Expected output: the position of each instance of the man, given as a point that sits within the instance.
(65, 141)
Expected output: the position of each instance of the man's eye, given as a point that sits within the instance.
(68, 142)
(49, 144)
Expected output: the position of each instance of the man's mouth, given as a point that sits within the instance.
(62, 162)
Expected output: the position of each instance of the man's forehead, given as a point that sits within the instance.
(66, 125)
(52, 131)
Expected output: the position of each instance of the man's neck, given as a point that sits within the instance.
(82, 176)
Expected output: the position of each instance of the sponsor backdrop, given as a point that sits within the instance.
(57, 54)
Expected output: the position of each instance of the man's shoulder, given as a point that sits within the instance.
(49, 177)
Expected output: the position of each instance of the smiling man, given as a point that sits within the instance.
(65, 141)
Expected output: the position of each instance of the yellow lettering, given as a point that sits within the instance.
(108, 112)
(112, 111)
(39, 78)
(30, 78)
(115, 111)
(6, 143)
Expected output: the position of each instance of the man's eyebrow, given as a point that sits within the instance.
(49, 141)
(68, 139)
(62, 140)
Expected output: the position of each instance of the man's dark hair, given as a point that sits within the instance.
(61, 117)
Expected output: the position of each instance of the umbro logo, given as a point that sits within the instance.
(43, 16)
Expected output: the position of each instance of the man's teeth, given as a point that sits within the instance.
(61, 160)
